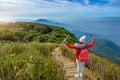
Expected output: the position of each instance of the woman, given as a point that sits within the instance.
(80, 47)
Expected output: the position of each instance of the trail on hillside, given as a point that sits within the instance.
(70, 67)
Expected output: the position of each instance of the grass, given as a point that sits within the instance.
(28, 32)
(28, 61)
(102, 67)
(67, 52)
(25, 53)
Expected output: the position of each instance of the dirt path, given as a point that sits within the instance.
(70, 67)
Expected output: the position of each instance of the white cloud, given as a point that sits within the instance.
(57, 8)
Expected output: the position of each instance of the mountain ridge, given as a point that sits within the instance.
(55, 23)
(108, 46)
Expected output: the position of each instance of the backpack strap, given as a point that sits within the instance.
(78, 46)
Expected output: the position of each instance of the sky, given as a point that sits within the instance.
(57, 9)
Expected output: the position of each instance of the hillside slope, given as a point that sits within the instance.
(70, 67)
(28, 31)
(25, 51)
(20, 51)
(55, 23)
(102, 68)
(110, 50)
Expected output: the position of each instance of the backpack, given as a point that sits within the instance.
(83, 57)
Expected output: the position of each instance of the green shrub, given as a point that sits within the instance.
(29, 61)
(28, 32)
(67, 52)
(102, 67)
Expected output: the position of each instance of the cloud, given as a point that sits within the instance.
(58, 8)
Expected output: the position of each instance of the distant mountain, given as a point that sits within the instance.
(103, 47)
(54, 23)
(78, 34)
(22, 20)
(108, 49)
(113, 45)
(117, 43)
(69, 27)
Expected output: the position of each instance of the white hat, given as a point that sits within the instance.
(82, 39)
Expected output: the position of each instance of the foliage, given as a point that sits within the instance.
(22, 57)
(28, 31)
(102, 67)
(67, 52)
(28, 61)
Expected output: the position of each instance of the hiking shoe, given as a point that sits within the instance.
(81, 75)
(77, 76)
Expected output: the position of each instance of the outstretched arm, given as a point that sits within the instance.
(70, 46)
(91, 44)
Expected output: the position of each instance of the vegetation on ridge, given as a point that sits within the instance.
(28, 61)
(25, 51)
(23, 56)
(102, 67)
(28, 31)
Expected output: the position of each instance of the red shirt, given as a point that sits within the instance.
(78, 49)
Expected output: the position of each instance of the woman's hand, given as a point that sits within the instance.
(64, 41)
